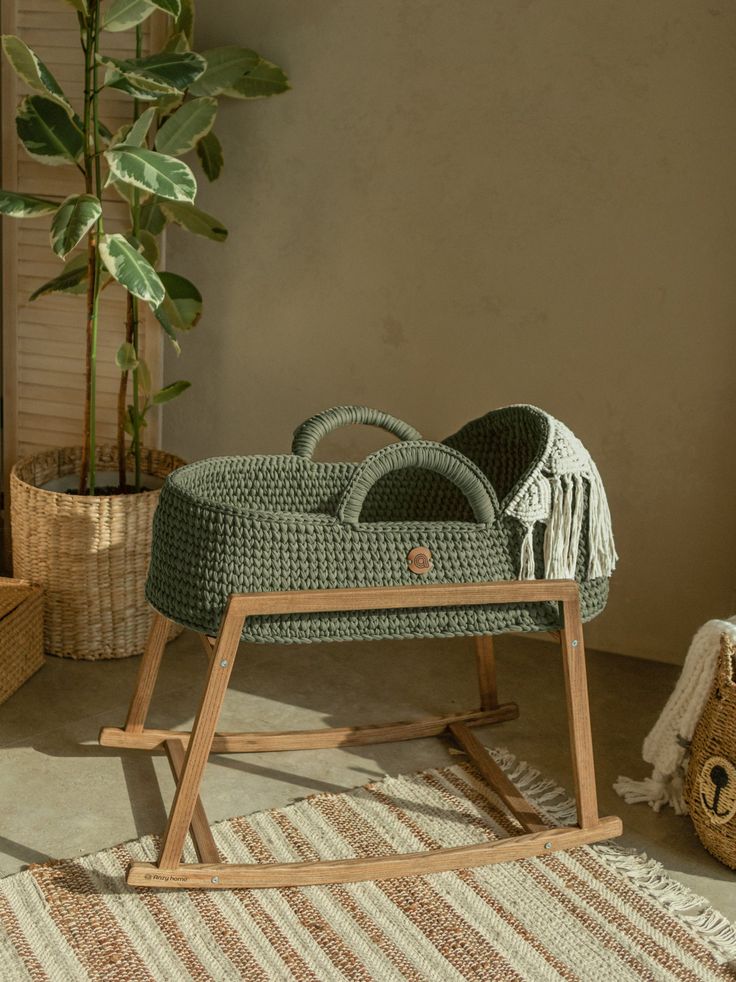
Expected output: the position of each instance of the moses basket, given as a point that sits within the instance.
(512, 495)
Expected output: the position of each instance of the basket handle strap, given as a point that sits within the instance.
(308, 435)
(437, 457)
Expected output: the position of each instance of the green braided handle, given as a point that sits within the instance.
(436, 457)
(308, 435)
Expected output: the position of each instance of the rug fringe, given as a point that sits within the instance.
(546, 794)
(649, 875)
(695, 911)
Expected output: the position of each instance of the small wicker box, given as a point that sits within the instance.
(21, 633)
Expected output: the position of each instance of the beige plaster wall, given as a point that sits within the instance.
(467, 204)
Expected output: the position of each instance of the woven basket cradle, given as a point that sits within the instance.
(508, 496)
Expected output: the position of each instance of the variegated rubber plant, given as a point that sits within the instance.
(174, 94)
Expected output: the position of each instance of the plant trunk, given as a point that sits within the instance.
(93, 185)
(131, 337)
(123, 398)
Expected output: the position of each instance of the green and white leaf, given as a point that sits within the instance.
(120, 136)
(126, 358)
(265, 80)
(149, 245)
(165, 73)
(47, 132)
(181, 132)
(144, 377)
(75, 217)
(124, 14)
(144, 92)
(177, 42)
(31, 70)
(170, 392)
(126, 191)
(79, 5)
(185, 20)
(224, 67)
(72, 279)
(139, 130)
(182, 306)
(209, 151)
(131, 269)
(194, 220)
(152, 171)
(170, 7)
(128, 425)
(151, 218)
(25, 205)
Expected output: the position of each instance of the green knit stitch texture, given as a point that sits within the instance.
(267, 523)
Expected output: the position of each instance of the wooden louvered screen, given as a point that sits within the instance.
(43, 341)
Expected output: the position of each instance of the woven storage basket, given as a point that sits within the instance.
(286, 522)
(710, 787)
(90, 553)
(21, 633)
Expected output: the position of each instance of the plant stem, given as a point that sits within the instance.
(134, 300)
(123, 399)
(88, 27)
(99, 231)
(132, 320)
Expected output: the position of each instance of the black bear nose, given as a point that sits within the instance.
(719, 776)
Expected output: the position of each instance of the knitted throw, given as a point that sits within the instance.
(667, 745)
(555, 495)
(512, 495)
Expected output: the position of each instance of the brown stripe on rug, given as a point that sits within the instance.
(593, 913)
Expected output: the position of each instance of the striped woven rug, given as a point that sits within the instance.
(593, 914)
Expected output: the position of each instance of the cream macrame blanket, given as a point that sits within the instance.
(554, 495)
(667, 746)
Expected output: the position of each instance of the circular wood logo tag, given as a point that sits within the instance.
(718, 789)
(419, 560)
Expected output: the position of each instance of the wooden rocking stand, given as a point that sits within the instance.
(188, 752)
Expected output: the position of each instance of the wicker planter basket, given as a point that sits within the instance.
(710, 788)
(90, 554)
(21, 633)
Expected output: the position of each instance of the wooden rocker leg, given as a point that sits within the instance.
(200, 743)
(578, 713)
(147, 673)
(485, 659)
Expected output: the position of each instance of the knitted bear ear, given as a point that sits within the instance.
(726, 671)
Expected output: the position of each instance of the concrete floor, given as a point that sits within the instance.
(62, 795)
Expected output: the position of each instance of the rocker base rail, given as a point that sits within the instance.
(227, 876)
(344, 736)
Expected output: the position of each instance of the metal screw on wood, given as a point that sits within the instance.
(548, 845)
(215, 879)
(574, 644)
(223, 663)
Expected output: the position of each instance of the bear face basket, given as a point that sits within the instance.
(512, 495)
(710, 786)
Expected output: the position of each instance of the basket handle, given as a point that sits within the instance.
(437, 457)
(308, 435)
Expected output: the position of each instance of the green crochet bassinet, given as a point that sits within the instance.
(511, 495)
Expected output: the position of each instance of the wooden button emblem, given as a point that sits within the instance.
(419, 560)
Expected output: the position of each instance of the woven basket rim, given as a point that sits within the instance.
(176, 486)
(23, 461)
